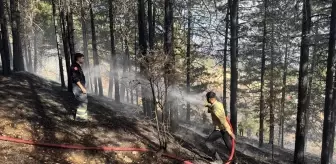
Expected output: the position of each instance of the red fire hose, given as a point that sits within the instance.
(78, 147)
(233, 142)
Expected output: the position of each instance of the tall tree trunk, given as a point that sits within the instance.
(153, 22)
(10, 51)
(129, 69)
(234, 72)
(122, 86)
(303, 85)
(283, 95)
(272, 99)
(95, 79)
(35, 52)
(25, 52)
(60, 60)
(127, 96)
(188, 58)
(113, 53)
(237, 29)
(150, 25)
(71, 30)
(330, 96)
(262, 99)
(132, 95)
(29, 34)
(95, 52)
(169, 50)
(10, 54)
(142, 32)
(125, 67)
(271, 125)
(225, 59)
(4, 42)
(30, 61)
(135, 63)
(111, 74)
(7, 11)
(151, 31)
(310, 83)
(18, 63)
(85, 44)
(65, 46)
(111, 81)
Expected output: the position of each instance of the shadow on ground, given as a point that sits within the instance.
(32, 108)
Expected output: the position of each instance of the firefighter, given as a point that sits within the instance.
(78, 87)
(241, 129)
(222, 127)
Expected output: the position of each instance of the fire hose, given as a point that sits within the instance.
(79, 147)
(105, 148)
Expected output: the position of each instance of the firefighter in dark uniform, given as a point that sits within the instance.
(78, 87)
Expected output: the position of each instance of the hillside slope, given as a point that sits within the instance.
(32, 108)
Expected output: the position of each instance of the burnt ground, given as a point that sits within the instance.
(33, 108)
(247, 150)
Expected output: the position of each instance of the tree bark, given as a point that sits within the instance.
(271, 125)
(150, 25)
(71, 30)
(169, 51)
(95, 79)
(188, 58)
(330, 96)
(85, 44)
(25, 53)
(234, 72)
(151, 31)
(65, 47)
(113, 67)
(310, 83)
(60, 59)
(135, 65)
(4, 42)
(153, 22)
(30, 61)
(125, 67)
(283, 95)
(142, 32)
(35, 52)
(303, 85)
(225, 58)
(95, 52)
(129, 70)
(18, 62)
(7, 10)
(262, 83)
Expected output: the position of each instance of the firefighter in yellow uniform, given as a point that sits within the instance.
(222, 127)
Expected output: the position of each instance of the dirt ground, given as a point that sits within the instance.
(247, 150)
(33, 108)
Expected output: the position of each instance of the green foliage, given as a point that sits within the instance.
(43, 20)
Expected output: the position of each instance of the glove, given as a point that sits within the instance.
(207, 105)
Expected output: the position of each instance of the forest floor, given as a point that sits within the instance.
(246, 149)
(33, 108)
